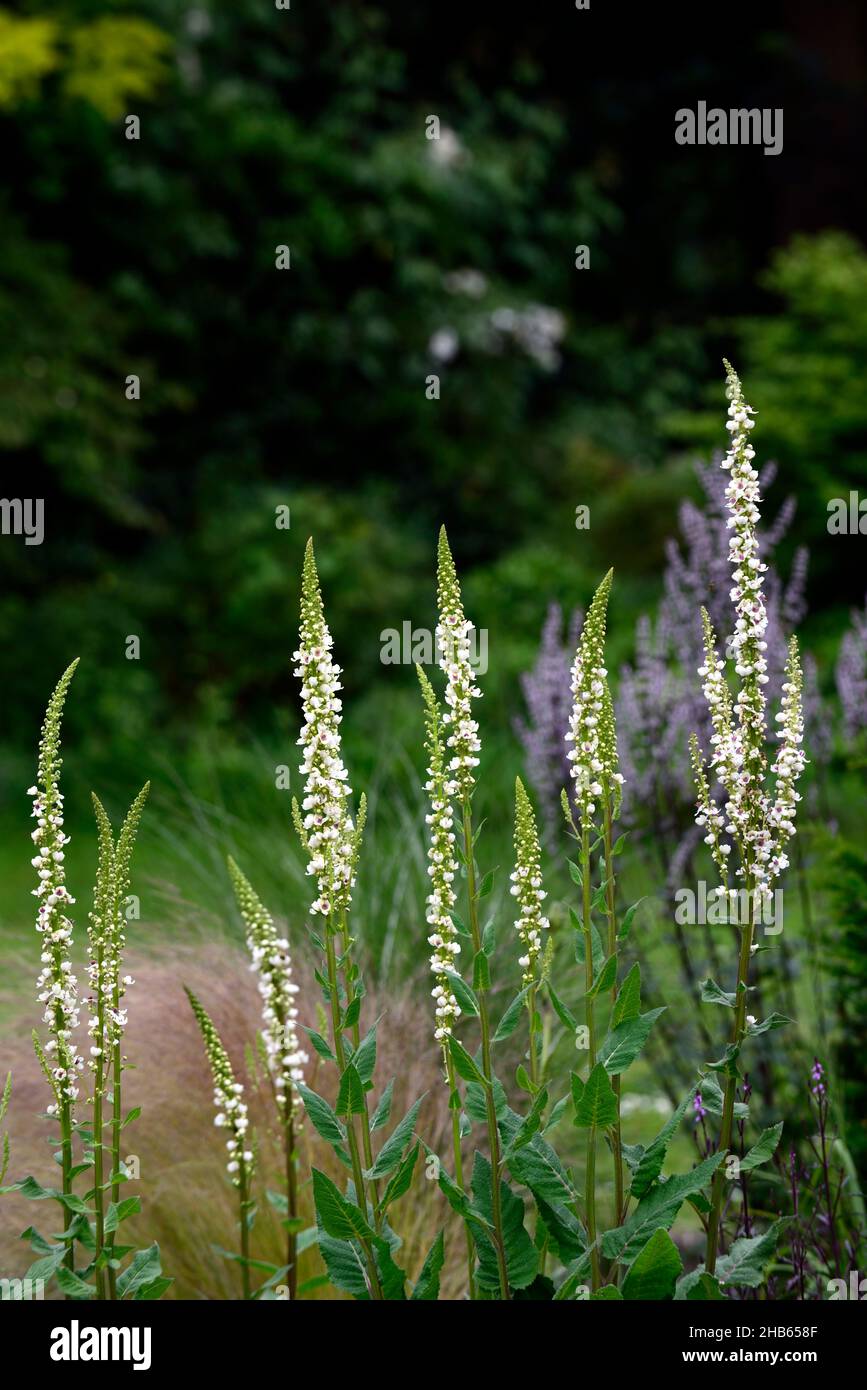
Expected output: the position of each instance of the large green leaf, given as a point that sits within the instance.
(698, 1287)
(655, 1269)
(401, 1180)
(521, 1254)
(427, 1286)
(623, 1044)
(657, 1209)
(595, 1100)
(465, 1066)
(338, 1217)
(628, 1002)
(464, 995)
(383, 1109)
(350, 1097)
(650, 1164)
(509, 1022)
(748, 1258)
(323, 1119)
(565, 1232)
(142, 1270)
(365, 1059)
(392, 1150)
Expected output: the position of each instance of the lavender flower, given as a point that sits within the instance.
(851, 675)
(548, 700)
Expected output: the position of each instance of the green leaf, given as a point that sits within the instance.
(605, 978)
(528, 1127)
(575, 873)
(464, 1065)
(628, 917)
(619, 844)
(596, 1103)
(657, 1209)
(345, 1264)
(365, 1058)
(481, 971)
(628, 1002)
(119, 1211)
(464, 995)
(323, 1119)
(522, 1076)
(489, 938)
(565, 1232)
(712, 1098)
(142, 1270)
(509, 1022)
(477, 1105)
(352, 1012)
(148, 1293)
(770, 1023)
(650, 1164)
(72, 1287)
(521, 1255)
(566, 1017)
(623, 1044)
(401, 1181)
(538, 1167)
(711, 993)
(320, 1044)
(486, 884)
(339, 1218)
(133, 1115)
(764, 1148)
(427, 1286)
(655, 1269)
(383, 1109)
(607, 1294)
(390, 1154)
(748, 1258)
(698, 1287)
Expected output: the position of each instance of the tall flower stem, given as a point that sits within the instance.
(98, 1152)
(738, 1028)
(291, 1206)
(365, 1114)
(116, 1123)
(487, 1068)
(244, 1205)
(459, 1169)
(590, 1169)
(610, 906)
(352, 1137)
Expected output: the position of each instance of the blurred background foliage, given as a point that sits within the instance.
(306, 388)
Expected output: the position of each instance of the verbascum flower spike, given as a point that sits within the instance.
(272, 962)
(57, 988)
(789, 762)
(453, 649)
(527, 886)
(442, 870)
(228, 1099)
(101, 964)
(323, 819)
(587, 723)
(611, 777)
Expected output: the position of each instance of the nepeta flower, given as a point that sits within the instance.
(851, 675)
(546, 693)
(453, 646)
(57, 988)
(591, 727)
(228, 1099)
(326, 827)
(442, 868)
(527, 884)
(273, 964)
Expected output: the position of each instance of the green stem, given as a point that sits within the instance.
(337, 1039)
(738, 1027)
(244, 1203)
(616, 1139)
(100, 1075)
(365, 1115)
(66, 1170)
(534, 1051)
(459, 1170)
(590, 1172)
(292, 1202)
(116, 1122)
(487, 1069)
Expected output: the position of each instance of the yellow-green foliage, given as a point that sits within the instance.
(106, 63)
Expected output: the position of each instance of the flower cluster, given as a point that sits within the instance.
(57, 988)
(229, 1100)
(326, 828)
(273, 964)
(442, 868)
(527, 884)
(591, 726)
(106, 935)
(737, 744)
(453, 646)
